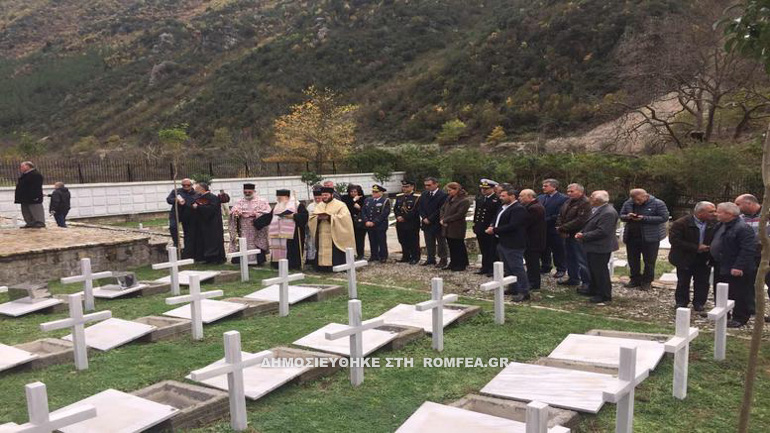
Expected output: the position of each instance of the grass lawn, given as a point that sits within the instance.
(388, 395)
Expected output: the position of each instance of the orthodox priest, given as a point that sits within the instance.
(247, 220)
(310, 252)
(287, 230)
(332, 228)
(206, 243)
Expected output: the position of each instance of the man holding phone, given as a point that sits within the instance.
(645, 217)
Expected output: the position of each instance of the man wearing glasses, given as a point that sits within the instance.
(185, 194)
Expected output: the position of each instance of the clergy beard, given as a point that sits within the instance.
(280, 207)
(249, 197)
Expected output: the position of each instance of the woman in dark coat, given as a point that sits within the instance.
(453, 225)
(355, 202)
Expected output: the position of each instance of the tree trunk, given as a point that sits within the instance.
(759, 288)
(176, 212)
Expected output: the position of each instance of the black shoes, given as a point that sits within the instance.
(698, 307)
(568, 283)
(428, 263)
(413, 261)
(559, 274)
(599, 300)
(735, 324)
(520, 297)
(632, 285)
(767, 319)
(584, 292)
(481, 272)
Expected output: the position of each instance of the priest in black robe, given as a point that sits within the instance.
(207, 241)
(287, 230)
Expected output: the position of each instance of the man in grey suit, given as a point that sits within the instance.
(599, 241)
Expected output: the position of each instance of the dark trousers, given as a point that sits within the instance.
(360, 235)
(458, 254)
(577, 262)
(61, 218)
(432, 240)
(554, 246)
(173, 231)
(699, 273)
(513, 262)
(601, 285)
(378, 244)
(488, 249)
(532, 259)
(741, 291)
(410, 243)
(638, 250)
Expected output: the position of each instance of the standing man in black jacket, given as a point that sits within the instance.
(408, 222)
(536, 236)
(599, 242)
(429, 206)
(60, 204)
(185, 196)
(552, 200)
(690, 237)
(29, 194)
(487, 206)
(509, 227)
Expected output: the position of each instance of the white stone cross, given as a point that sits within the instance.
(679, 345)
(537, 417)
(623, 395)
(244, 253)
(173, 264)
(76, 322)
(283, 279)
(437, 302)
(194, 298)
(355, 331)
(40, 419)
(719, 316)
(87, 278)
(498, 284)
(350, 266)
(233, 368)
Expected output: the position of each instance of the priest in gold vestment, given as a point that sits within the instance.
(332, 229)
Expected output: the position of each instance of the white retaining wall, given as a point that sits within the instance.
(106, 199)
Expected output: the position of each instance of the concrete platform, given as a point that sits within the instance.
(50, 351)
(514, 410)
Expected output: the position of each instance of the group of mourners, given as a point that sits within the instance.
(573, 234)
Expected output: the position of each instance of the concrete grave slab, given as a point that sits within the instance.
(198, 406)
(407, 315)
(569, 389)
(49, 351)
(20, 308)
(605, 351)
(448, 419)
(184, 277)
(373, 339)
(113, 333)
(660, 338)
(404, 335)
(326, 291)
(296, 293)
(11, 357)
(515, 410)
(254, 307)
(166, 328)
(28, 292)
(113, 291)
(212, 310)
(118, 412)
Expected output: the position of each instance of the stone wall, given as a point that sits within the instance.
(101, 199)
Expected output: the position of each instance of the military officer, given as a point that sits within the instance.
(375, 216)
(408, 223)
(487, 206)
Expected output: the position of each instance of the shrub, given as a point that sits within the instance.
(451, 132)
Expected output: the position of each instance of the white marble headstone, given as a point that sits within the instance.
(113, 333)
(406, 315)
(605, 351)
(184, 277)
(296, 293)
(19, 308)
(212, 310)
(373, 339)
(112, 291)
(11, 357)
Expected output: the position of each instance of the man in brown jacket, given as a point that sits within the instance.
(690, 238)
(572, 217)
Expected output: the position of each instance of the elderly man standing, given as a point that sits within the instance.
(751, 211)
(250, 218)
(599, 242)
(184, 195)
(572, 217)
(29, 194)
(487, 205)
(733, 249)
(536, 236)
(645, 217)
(690, 238)
(552, 200)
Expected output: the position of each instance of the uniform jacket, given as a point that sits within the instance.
(599, 231)
(511, 230)
(485, 213)
(653, 223)
(733, 247)
(684, 236)
(60, 200)
(453, 214)
(376, 210)
(536, 227)
(29, 188)
(430, 208)
(406, 207)
(573, 215)
(552, 205)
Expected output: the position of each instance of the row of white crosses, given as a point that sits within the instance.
(87, 278)
(679, 345)
(40, 419)
(350, 266)
(173, 264)
(498, 284)
(244, 253)
(195, 298)
(282, 280)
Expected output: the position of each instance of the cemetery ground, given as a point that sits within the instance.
(389, 396)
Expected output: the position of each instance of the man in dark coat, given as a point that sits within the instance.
(572, 217)
(510, 229)
(60, 204)
(599, 242)
(552, 200)
(408, 222)
(429, 207)
(536, 236)
(645, 217)
(375, 215)
(206, 242)
(29, 194)
(185, 195)
(487, 206)
(690, 238)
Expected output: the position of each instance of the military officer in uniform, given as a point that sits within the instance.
(487, 206)
(375, 216)
(408, 223)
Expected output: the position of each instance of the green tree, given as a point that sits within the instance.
(30, 147)
(451, 132)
